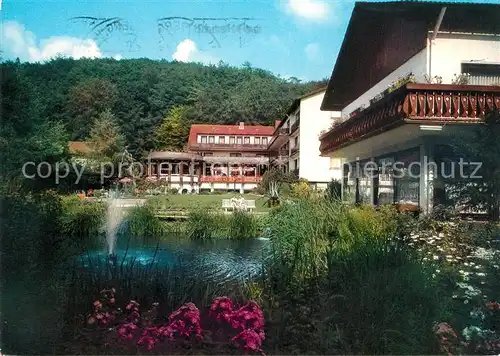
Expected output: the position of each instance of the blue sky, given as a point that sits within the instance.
(298, 38)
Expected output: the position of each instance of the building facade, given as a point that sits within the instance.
(425, 72)
(217, 157)
(295, 143)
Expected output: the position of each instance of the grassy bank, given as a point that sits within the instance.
(204, 201)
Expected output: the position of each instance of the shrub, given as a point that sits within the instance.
(204, 225)
(142, 222)
(243, 225)
(389, 299)
(333, 190)
(301, 189)
(300, 234)
(83, 221)
(31, 233)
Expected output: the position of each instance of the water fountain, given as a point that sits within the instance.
(113, 218)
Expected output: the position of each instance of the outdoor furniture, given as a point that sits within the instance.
(238, 204)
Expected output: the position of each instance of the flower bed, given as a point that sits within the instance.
(223, 327)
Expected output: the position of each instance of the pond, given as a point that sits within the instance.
(218, 260)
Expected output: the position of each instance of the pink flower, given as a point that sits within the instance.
(126, 331)
(248, 340)
(97, 305)
(249, 316)
(184, 322)
(221, 309)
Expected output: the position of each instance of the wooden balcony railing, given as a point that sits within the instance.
(295, 126)
(230, 179)
(415, 103)
(294, 150)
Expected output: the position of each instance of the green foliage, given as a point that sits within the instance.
(333, 190)
(139, 92)
(203, 224)
(142, 222)
(105, 140)
(336, 280)
(27, 132)
(300, 233)
(86, 101)
(410, 78)
(243, 225)
(30, 230)
(273, 183)
(477, 144)
(388, 300)
(173, 132)
(301, 189)
(83, 221)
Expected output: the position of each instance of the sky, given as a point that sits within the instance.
(291, 38)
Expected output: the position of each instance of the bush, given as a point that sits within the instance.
(243, 225)
(204, 225)
(82, 220)
(301, 189)
(300, 234)
(142, 222)
(334, 190)
(388, 302)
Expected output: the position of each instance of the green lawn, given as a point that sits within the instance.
(186, 201)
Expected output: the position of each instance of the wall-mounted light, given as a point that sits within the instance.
(431, 127)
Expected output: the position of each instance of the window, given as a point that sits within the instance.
(235, 155)
(208, 154)
(481, 73)
(211, 139)
(246, 140)
(257, 140)
(231, 140)
(222, 139)
(239, 140)
(264, 140)
(203, 139)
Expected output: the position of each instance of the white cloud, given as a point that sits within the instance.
(312, 51)
(187, 51)
(309, 9)
(19, 42)
(118, 57)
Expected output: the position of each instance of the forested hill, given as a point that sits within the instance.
(140, 94)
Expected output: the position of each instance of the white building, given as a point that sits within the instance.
(442, 64)
(295, 143)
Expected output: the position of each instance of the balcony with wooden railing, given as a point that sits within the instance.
(230, 179)
(415, 103)
(227, 147)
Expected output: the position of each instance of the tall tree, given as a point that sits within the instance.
(86, 101)
(174, 130)
(105, 140)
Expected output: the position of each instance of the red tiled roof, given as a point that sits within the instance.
(248, 130)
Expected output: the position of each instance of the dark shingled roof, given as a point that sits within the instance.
(381, 36)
